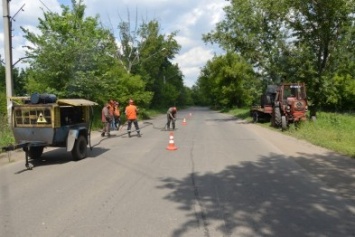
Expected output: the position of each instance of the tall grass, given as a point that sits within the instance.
(6, 137)
(330, 130)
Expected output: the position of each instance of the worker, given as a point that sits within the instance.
(131, 112)
(106, 119)
(171, 117)
(111, 110)
(117, 115)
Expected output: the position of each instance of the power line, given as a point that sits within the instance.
(45, 6)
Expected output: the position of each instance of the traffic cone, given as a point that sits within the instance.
(190, 114)
(171, 146)
(184, 122)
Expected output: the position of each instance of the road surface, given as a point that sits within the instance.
(226, 178)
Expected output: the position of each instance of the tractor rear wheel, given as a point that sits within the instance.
(277, 117)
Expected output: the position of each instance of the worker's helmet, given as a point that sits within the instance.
(174, 108)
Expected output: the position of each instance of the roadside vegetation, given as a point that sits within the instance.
(333, 131)
(6, 136)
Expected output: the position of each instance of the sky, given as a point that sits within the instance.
(190, 18)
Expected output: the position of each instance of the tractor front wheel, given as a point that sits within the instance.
(283, 123)
(255, 117)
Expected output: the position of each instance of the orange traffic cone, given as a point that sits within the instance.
(184, 122)
(171, 146)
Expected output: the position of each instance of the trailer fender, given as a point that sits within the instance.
(72, 136)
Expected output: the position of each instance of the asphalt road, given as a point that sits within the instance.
(226, 178)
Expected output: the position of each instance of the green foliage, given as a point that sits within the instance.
(228, 81)
(162, 78)
(71, 55)
(3, 102)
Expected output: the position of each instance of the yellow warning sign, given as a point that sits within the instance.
(41, 119)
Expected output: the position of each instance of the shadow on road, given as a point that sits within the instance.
(267, 198)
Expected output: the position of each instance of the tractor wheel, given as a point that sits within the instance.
(283, 123)
(255, 117)
(35, 152)
(277, 117)
(80, 148)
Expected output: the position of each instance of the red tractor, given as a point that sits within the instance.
(290, 105)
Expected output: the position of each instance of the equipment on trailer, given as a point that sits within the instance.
(263, 111)
(42, 121)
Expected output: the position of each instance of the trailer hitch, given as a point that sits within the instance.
(25, 146)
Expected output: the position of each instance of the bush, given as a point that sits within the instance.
(6, 136)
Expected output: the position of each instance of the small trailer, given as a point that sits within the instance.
(263, 111)
(43, 121)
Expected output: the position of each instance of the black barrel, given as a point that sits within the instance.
(45, 98)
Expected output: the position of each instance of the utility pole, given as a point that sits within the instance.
(8, 56)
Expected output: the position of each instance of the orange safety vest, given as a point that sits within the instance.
(111, 109)
(131, 112)
(117, 111)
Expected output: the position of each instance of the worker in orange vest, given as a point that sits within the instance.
(131, 112)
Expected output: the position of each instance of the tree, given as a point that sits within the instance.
(300, 40)
(162, 78)
(228, 81)
(255, 30)
(74, 57)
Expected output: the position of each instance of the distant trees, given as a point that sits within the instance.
(227, 81)
(303, 40)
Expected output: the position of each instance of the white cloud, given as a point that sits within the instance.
(189, 18)
(192, 61)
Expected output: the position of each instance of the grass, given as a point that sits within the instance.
(333, 131)
(6, 137)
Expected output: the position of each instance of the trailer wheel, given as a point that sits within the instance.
(80, 148)
(255, 117)
(283, 123)
(34, 152)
